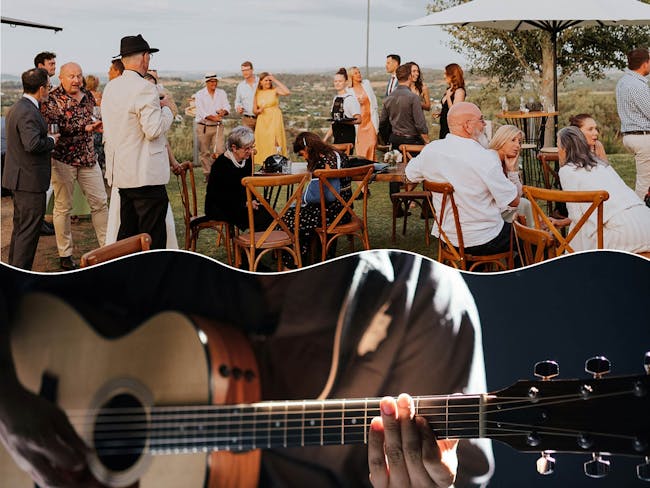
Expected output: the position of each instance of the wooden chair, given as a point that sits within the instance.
(277, 236)
(533, 245)
(356, 227)
(450, 253)
(195, 223)
(403, 199)
(542, 221)
(548, 158)
(123, 247)
(345, 148)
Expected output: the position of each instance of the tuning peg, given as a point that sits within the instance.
(598, 366)
(546, 464)
(597, 467)
(646, 362)
(547, 369)
(643, 470)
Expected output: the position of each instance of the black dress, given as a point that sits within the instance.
(444, 126)
(343, 133)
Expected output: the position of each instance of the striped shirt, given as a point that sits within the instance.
(633, 102)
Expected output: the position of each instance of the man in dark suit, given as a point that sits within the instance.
(27, 171)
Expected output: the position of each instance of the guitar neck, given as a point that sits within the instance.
(171, 430)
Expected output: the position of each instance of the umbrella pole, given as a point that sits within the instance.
(555, 100)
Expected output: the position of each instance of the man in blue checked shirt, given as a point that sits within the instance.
(633, 103)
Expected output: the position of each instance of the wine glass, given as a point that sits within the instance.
(97, 113)
(504, 104)
(53, 129)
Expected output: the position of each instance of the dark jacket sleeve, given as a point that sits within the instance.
(31, 135)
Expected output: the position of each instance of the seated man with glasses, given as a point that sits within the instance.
(482, 191)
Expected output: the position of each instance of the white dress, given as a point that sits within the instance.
(626, 219)
(113, 226)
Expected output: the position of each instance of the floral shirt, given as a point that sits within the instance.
(75, 146)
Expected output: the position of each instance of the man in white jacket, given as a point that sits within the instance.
(135, 122)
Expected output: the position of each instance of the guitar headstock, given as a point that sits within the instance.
(598, 416)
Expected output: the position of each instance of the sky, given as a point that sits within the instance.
(217, 35)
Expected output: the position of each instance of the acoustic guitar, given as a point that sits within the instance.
(176, 403)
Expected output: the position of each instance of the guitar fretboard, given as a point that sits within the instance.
(276, 424)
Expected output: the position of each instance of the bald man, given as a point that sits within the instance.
(73, 158)
(482, 191)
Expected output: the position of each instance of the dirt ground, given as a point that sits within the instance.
(46, 258)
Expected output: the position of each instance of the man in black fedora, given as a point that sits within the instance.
(135, 122)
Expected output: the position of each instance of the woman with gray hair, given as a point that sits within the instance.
(626, 219)
(507, 143)
(225, 197)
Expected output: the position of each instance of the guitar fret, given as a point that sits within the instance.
(343, 422)
(294, 424)
(365, 421)
(333, 433)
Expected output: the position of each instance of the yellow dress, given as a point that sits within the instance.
(269, 129)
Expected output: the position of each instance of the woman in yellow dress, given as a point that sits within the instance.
(269, 129)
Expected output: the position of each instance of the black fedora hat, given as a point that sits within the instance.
(134, 44)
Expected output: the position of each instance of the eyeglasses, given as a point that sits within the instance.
(480, 119)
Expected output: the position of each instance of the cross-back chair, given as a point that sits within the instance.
(345, 148)
(123, 247)
(534, 245)
(277, 236)
(595, 198)
(195, 223)
(454, 254)
(403, 199)
(340, 226)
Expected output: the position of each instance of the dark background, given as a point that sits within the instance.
(567, 310)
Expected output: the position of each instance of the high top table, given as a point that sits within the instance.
(533, 125)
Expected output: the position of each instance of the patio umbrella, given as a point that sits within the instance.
(27, 23)
(552, 16)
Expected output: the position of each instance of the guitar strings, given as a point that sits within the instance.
(218, 412)
(243, 442)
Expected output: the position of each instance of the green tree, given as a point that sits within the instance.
(510, 57)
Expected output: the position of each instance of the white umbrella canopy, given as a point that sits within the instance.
(552, 16)
(549, 15)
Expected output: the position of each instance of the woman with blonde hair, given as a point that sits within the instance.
(507, 142)
(269, 129)
(455, 93)
(92, 85)
(366, 142)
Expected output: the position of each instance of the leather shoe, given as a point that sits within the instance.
(47, 229)
(68, 264)
(400, 213)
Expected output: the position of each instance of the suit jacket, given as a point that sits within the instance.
(27, 162)
(134, 132)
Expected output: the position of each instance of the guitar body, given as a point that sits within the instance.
(165, 361)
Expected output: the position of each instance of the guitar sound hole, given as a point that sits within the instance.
(120, 432)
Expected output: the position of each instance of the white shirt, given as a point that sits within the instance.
(245, 95)
(481, 189)
(210, 105)
(32, 99)
(351, 105)
(621, 199)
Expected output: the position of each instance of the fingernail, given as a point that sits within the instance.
(387, 407)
